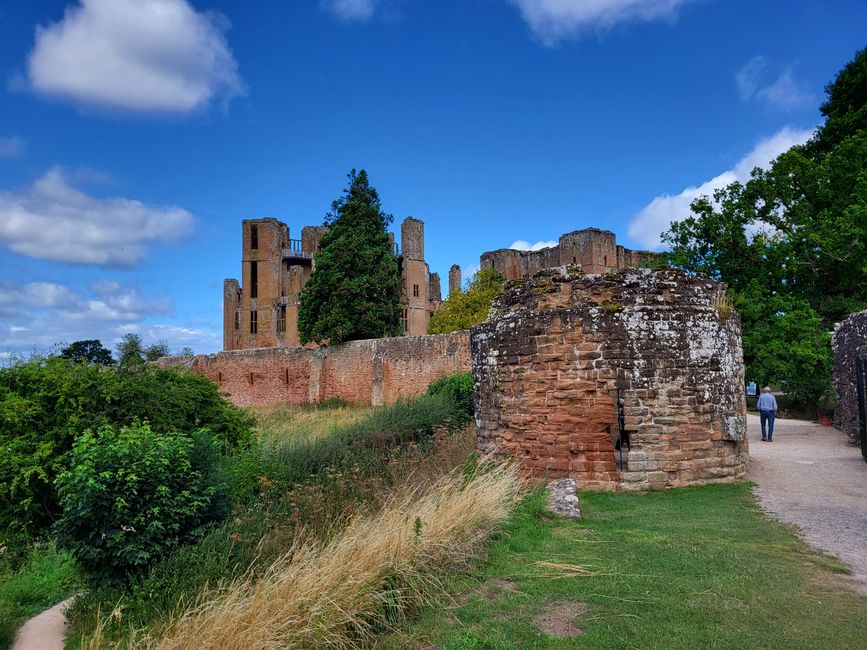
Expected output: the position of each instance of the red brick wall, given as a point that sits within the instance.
(375, 371)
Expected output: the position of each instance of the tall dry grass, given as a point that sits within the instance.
(281, 422)
(337, 593)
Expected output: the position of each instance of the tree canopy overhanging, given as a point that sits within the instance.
(791, 243)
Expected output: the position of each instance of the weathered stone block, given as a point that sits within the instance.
(664, 351)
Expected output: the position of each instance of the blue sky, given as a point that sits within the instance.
(136, 134)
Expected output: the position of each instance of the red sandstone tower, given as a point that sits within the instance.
(262, 311)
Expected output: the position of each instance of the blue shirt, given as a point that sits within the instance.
(767, 402)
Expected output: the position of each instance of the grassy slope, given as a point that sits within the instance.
(690, 568)
(281, 422)
(311, 481)
(45, 579)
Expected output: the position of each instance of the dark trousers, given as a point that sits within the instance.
(767, 416)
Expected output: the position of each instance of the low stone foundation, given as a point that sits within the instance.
(849, 341)
(374, 371)
(560, 349)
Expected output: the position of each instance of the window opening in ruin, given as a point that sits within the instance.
(254, 236)
(286, 376)
(415, 291)
(605, 260)
(404, 320)
(237, 320)
(281, 319)
(254, 322)
(254, 280)
(220, 377)
(574, 260)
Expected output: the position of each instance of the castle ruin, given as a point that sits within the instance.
(594, 250)
(262, 310)
(562, 351)
(572, 355)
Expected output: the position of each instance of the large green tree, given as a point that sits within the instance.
(88, 351)
(791, 242)
(354, 291)
(463, 309)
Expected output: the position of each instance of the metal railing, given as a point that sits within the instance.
(296, 249)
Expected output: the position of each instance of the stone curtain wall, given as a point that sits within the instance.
(849, 340)
(375, 371)
(559, 348)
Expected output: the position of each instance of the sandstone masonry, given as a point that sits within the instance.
(595, 250)
(849, 341)
(374, 371)
(262, 310)
(560, 349)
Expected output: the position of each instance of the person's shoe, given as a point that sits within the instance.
(764, 439)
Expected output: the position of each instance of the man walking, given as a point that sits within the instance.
(767, 405)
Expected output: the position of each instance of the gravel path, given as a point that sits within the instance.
(45, 631)
(808, 476)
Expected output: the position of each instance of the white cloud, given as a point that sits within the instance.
(468, 271)
(756, 82)
(55, 221)
(141, 55)
(202, 341)
(11, 147)
(554, 20)
(657, 216)
(351, 10)
(111, 301)
(522, 245)
(40, 315)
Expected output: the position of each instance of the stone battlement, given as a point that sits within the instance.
(596, 251)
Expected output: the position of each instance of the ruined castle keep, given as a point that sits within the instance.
(561, 349)
(580, 337)
(262, 310)
(596, 251)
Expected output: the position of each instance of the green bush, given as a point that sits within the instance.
(276, 490)
(463, 309)
(45, 404)
(458, 387)
(133, 495)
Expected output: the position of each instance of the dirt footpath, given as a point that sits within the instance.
(45, 631)
(810, 477)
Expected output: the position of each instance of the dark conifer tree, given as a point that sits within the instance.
(354, 291)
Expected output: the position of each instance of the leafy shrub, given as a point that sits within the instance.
(133, 495)
(470, 307)
(458, 387)
(45, 404)
(281, 501)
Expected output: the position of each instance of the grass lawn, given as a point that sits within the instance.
(689, 568)
(44, 580)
